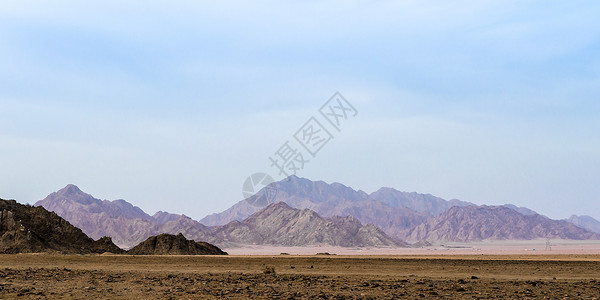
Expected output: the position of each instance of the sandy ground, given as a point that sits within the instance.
(44, 276)
(535, 247)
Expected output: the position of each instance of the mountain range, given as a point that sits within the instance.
(316, 213)
(476, 223)
(393, 211)
(276, 224)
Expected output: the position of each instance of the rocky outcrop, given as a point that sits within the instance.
(27, 229)
(168, 244)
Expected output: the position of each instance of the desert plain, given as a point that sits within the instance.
(515, 272)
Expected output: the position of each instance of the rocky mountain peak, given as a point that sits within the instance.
(70, 189)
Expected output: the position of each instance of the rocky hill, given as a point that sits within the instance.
(477, 223)
(279, 224)
(168, 244)
(28, 229)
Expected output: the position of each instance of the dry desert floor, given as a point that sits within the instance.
(45, 276)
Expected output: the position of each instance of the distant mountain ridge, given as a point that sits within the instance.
(477, 223)
(298, 193)
(418, 202)
(391, 210)
(128, 225)
(522, 210)
(585, 222)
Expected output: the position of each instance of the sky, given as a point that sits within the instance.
(171, 105)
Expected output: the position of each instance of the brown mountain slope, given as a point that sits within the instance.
(70, 201)
(168, 244)
(296, 192)
(476, 223)
(27, 229)
(128, 225)
(394, 221)
(279, 224)
(328, 200)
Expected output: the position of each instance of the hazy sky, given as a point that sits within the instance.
(171, 105)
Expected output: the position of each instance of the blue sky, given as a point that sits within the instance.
(172, 105)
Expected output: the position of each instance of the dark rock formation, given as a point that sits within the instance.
(168, 244)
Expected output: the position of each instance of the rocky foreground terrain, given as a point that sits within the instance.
(299, 277)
